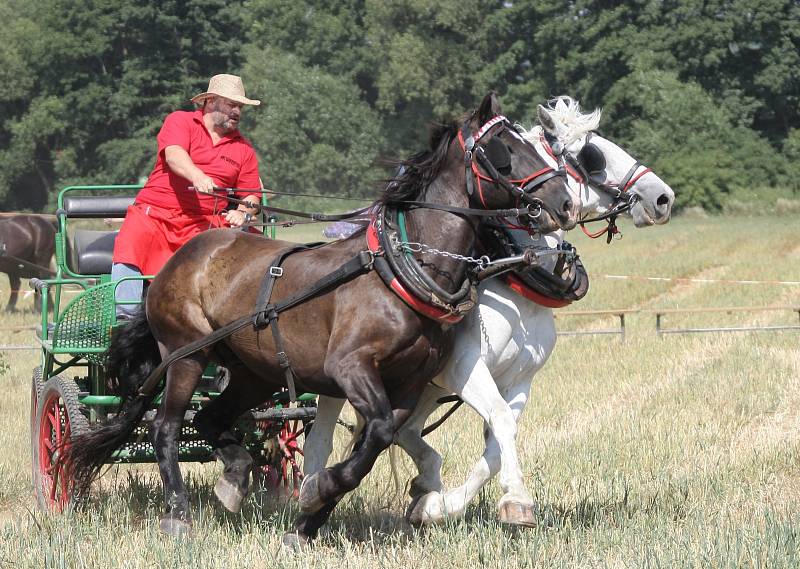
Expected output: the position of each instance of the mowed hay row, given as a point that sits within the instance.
(679, 451)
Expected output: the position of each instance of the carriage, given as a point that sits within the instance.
(69, 391)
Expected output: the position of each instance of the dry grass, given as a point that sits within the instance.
(680, 451)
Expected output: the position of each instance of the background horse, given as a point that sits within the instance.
(500, 347)
(27, 244)
(359, 340)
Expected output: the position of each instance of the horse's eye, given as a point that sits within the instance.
(592, 158)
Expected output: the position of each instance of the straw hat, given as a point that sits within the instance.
(228, 86)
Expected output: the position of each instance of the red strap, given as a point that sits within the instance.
(594, 235)
(516, 284)
(635, 178)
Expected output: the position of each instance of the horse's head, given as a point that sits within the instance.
(503, 170)
(614, 176)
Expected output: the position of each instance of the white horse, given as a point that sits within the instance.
(501, 344)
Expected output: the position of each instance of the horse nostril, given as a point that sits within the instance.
(662, 200)
(567, 206)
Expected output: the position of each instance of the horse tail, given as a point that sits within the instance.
(132, 355)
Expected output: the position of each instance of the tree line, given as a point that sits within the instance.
(705, 92)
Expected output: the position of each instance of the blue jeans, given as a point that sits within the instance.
(127, 290)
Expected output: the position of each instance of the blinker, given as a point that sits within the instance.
(592, 159)
(499, 155)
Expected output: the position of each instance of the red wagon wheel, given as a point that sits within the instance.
(282, 474)
(58, 419)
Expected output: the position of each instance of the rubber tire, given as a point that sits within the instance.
(62, 395)
(37, 384)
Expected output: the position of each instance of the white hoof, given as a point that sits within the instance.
(429, 509)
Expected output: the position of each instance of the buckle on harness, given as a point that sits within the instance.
(276, 271)
(283, 359)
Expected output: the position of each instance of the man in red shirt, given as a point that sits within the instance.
(202, 149)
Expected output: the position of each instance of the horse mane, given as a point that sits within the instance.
(418, 171)
(574, 123)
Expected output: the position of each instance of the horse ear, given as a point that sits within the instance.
(545, 119)
(489, 108)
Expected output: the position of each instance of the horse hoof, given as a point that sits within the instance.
(295, 541)
(175, 527)
(427, 509)
(309, 499)
(229, 495)
(518, 514)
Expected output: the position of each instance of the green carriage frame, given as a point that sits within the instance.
(78, 334)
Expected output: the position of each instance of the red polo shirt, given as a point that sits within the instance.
(231, 163)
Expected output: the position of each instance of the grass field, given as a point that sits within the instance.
(673, 452)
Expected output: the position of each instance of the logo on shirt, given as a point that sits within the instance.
(231, 161)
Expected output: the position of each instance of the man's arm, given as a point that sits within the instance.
(181, 163)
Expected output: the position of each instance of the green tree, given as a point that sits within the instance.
(104, 75)
(681, 132)
(313, 133)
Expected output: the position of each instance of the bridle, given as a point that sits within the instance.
(576, 167)
(474, 155)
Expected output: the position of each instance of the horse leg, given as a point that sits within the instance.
(182, 379)
(481, 393)
(214, 423)
(322, 490)
(14, 284)
(427, 460)
(319, 439)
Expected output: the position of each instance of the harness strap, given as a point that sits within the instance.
(273, 273)
(148, 387)
(359, 265)
(433, 426)
(265, 314)
(509, 212)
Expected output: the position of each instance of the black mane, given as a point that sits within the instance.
(419, 170)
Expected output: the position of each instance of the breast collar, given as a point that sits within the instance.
(402, 273)
(565, 284)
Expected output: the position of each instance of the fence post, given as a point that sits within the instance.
(658, 325)
(622, 326)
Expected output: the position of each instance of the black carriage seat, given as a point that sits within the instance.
(97, 207)
(90, 251)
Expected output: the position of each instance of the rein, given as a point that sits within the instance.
(531, 209)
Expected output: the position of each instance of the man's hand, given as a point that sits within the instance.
(236, 217)
(181, 163)
(203, 184)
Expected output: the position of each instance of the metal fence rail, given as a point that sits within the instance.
(661, 330)
(619, 330)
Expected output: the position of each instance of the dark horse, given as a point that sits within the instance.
(360, 340)
(27, 243)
